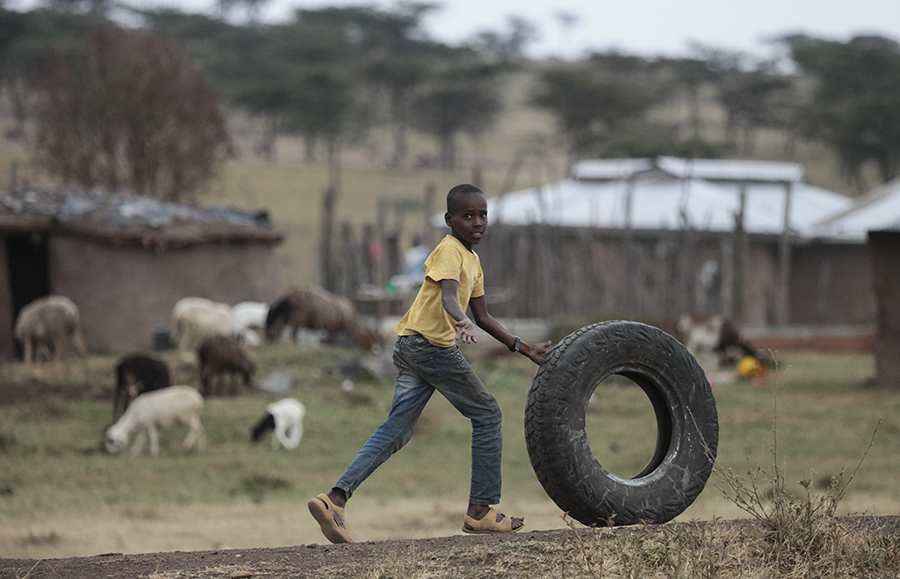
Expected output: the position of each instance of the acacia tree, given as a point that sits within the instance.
(753, 100)
(129, 112)
(588, 106)
(856, 105)
(456, 100)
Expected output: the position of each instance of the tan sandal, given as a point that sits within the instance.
(490, 523)
(330, 518)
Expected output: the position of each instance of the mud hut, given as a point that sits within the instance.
(126, 260)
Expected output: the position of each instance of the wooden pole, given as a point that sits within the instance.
(326, 252)
(782, 311)
(740, 258)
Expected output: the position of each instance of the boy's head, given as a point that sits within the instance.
(466, 214)
(458, 192)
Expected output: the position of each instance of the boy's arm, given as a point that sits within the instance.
(485, 321)
(465, 329)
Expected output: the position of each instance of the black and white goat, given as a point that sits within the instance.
(285, 417)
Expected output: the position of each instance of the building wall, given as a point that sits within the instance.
(126, 292)
(885, 253)
(831, 284)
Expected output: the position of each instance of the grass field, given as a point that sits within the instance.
(63, 495)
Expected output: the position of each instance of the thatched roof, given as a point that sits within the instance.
(123, 219)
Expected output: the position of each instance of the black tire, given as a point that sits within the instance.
(686, 417)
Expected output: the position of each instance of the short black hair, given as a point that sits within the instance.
(454, 194)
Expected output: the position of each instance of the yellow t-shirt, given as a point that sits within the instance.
(427, 316)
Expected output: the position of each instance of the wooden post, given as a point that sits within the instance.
(632, 282)
(326, 251)
(329, 200)
(782, 311)
(740, 258)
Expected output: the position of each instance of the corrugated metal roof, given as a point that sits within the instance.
(732, 170)
(609, 169)
(652, 201)
(710, 169)
(645, 203)
(878, 210)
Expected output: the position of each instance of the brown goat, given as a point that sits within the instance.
(314, 308)
(221, 358)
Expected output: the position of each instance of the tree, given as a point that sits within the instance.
(752, 100)
(457, 99)
(324, 105)
(508, 44)
(855, 108)
(588, 106)
(128, 112)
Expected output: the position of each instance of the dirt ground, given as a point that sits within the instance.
(395, 558)
(312, 560)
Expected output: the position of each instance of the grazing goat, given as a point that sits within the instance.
(221, 357)
(49, 320)
(166, 408)
(285, 417)
(709, 336)
(314, 308)
(137, 374)
(195, 319)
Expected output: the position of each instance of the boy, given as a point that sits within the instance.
(428, 359)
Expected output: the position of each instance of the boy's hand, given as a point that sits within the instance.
(465, 331)
(535, 352)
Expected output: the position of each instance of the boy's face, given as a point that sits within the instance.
(467, 218)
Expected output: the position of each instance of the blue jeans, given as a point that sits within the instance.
(422, 369)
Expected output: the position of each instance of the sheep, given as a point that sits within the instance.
(165, 408)
(249, 317)
(51, 319)
(137, 374)
(314, 308)
(285, 417)
(195, 319)
(223, 355)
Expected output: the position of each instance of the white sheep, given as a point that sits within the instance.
(51, 320)
(286, 418)
(248, 318)
(195, 319)
(165, 408)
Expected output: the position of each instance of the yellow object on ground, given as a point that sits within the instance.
(751, 367)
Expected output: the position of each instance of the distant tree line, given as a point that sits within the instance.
(141, 106)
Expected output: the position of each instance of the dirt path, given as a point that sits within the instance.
(311, 560)
(453, 556)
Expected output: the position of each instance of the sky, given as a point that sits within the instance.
(640, 27)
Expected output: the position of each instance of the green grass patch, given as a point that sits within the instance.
(51, 456)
